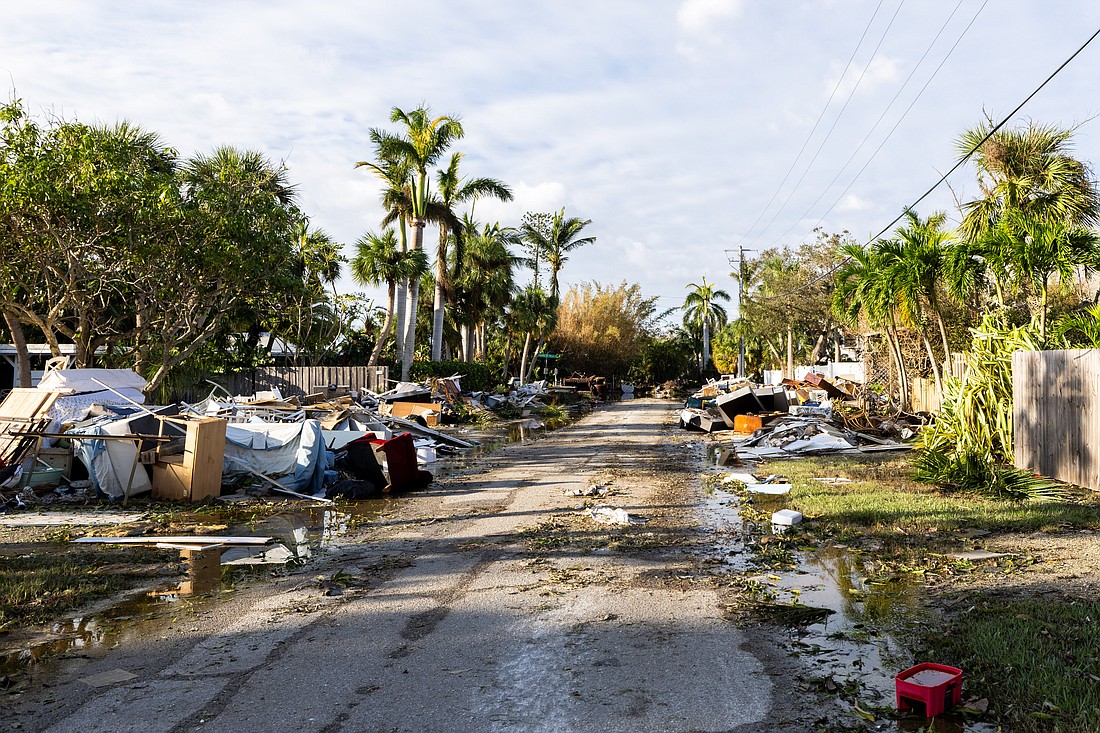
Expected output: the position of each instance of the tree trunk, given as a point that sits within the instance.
(935, 367)
(383, 332)
(943, 338)
(402, 299)
(819, 346)
(523, 359)
(437, 321)
(530, 375)
(899, 361)
(706, 346)
(438, 309)
(465, 334)
(409, 346)
(790, 353)
(22, 355)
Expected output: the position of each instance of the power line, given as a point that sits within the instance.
(882, 116)
(954, 168)
(831, 128)
(817, 122)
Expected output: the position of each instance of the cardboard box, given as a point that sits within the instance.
(428, 411)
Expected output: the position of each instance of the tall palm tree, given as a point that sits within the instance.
(553, 242)
(378, 260)
(396, 196)
(700, 308)
(1029, 169)
(453, 190)
(864, 290)
(421, 143)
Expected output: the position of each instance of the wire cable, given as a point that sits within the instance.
(954, 168)
(881, 117)
(817, 122)
(831, 128)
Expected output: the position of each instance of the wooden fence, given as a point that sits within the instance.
(307, 380)
(1056, 414)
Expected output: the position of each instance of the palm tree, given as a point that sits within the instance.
(453, 190)
(701, 309)
(1028, 169)
(320, 257)
(396, 198)
(485, 281)
(379, 260)
(422, 142)
(554, 242)
(863, 290)
(1036, 251)
(534, 313)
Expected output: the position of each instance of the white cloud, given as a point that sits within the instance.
(851, 202)
(697, 17)
(700, 22)
(882, 71)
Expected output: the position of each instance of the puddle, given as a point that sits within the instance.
(300, 534)
(857, 645)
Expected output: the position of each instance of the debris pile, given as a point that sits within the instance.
(88, 432)
(806, 417)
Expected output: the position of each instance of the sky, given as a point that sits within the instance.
(684, 129)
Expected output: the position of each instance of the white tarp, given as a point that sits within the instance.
(75, 381)
(293, 453)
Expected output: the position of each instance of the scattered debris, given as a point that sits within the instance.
(239, 445)
(784, 519)
(590, 490)
(807, 417)
(613, 515)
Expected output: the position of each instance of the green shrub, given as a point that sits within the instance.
(475, 377)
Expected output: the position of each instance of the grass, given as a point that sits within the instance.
(1038, 663)
(885, 503)
(37, 588)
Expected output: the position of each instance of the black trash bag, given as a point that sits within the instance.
(354, 490)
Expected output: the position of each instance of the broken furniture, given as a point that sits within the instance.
(196, 474)
(401, 465)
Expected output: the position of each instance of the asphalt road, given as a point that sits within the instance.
(484, 604)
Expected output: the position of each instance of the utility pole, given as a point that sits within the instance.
(740, 300)
(740, 263)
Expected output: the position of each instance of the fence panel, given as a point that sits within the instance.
(1056, 414)
(302, 380)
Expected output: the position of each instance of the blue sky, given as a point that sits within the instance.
(670, 124)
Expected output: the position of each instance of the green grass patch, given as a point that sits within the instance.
(37, 588)
(884, 502)
(1038, 663)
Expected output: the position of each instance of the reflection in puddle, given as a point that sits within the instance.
(299, 535)
(857, 645)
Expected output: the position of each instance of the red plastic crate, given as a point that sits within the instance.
(935, 687)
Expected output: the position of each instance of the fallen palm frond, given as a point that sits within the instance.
(978, 473)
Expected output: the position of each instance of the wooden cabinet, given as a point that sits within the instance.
(197, 474)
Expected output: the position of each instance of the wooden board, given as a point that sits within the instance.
(23, 409)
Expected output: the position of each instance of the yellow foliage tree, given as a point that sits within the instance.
(601, 328)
